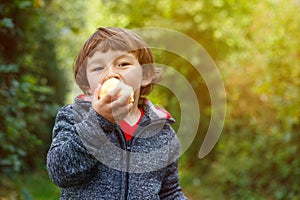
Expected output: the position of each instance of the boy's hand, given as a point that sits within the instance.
(112, 107)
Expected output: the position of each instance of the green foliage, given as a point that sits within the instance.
(32, 85)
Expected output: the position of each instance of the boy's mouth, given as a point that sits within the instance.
(106, 78)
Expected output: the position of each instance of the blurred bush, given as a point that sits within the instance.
(32, 86)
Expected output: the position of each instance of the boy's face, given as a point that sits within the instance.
(115, 64)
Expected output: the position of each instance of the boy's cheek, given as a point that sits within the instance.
(93, 82)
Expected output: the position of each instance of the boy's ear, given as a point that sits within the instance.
(147, 79)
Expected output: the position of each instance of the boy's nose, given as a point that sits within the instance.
(111, 73)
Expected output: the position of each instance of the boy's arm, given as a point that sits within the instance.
(171, 189)
(68, 161)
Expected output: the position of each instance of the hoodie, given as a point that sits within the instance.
(89, 157)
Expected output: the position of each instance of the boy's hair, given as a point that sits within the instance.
(113, 38)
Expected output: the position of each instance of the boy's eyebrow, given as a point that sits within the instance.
(96, 61)
(128, 55)
(117, 57)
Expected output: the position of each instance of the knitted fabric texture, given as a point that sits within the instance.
(89, 157)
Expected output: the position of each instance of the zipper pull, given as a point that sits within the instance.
(128, 145)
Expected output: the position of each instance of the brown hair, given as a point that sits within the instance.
(112, 38)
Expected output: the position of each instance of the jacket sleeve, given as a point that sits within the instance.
(171, 189)
(68, 161)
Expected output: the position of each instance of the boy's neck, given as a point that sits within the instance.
(133, 116)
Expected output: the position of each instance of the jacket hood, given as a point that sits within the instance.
(155, 112)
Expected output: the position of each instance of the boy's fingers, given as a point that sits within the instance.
(96, 92)
(108, 98)
(111, 95)
(130, 106)
(122, 101)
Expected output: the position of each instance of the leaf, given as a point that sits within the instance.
(24, 4)
(7, 22)
(11, 68)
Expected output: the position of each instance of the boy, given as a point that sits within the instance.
(110, 147)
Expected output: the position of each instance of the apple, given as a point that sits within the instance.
(111, 84)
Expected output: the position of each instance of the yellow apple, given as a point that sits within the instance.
(111, 84)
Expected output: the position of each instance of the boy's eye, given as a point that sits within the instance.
(123, 64)
(98, 68)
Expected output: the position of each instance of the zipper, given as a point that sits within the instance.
(128, 152)
(127, 157)
(129, 144)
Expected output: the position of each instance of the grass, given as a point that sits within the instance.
(31, 186)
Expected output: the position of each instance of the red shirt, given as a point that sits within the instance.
(128, 129)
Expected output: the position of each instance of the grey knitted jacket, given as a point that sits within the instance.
(89, 157)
